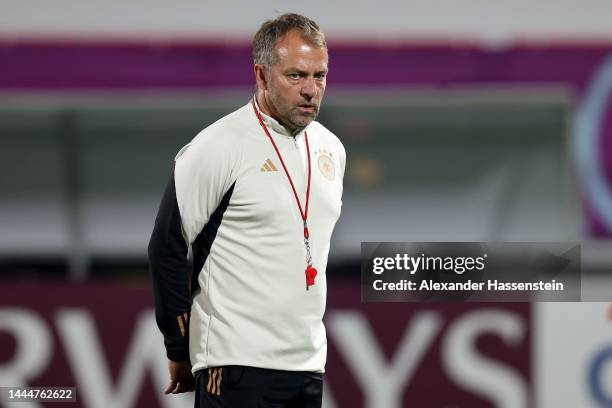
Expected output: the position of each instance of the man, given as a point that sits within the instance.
(256, 195)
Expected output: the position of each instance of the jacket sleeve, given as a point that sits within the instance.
(201, 176)
(170, 271)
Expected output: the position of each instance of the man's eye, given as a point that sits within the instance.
(294, 76)
(320, 76)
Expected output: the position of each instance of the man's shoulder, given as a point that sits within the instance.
(231, 125)
(221, 136)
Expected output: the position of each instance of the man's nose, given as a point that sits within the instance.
(309, 89)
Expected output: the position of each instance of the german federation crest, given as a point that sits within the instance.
(325, 164)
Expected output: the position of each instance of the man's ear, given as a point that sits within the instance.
(261, 76)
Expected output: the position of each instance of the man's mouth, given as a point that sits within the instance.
(308, 108)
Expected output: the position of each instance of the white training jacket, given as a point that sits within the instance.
(238, 211)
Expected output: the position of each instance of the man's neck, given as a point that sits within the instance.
(265, 107)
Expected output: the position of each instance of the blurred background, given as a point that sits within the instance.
(462, 121)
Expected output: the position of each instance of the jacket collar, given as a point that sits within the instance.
(276, 125)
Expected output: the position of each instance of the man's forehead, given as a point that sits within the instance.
(304, 48)
(307, 57)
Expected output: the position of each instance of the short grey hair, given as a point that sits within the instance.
(271, 31)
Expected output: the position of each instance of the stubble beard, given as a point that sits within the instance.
(290, 116)
(301, 120)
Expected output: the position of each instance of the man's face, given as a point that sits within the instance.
(296, 82)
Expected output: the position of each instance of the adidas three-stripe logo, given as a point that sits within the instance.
(214, 380)
(268, 166)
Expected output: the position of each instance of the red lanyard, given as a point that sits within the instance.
(311, 272)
